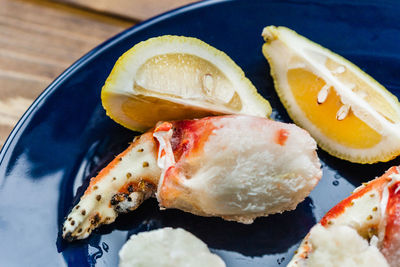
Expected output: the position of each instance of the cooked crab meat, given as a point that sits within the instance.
(234, 167)
(342, 246)
(173, 247)
(372, 211)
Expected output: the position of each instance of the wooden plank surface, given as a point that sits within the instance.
(135, 9)
(39, 40)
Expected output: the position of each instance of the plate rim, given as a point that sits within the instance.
(19, 129)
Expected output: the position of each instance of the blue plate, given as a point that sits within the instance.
(65, 136)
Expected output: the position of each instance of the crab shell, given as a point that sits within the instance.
(373, 210)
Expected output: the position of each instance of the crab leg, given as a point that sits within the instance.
(122, 186)
(373, 211)
(391, 242)
(234, 167)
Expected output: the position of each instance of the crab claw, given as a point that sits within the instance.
(372, 212)
(235, 167)
(122, 186)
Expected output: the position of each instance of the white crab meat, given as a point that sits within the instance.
(372, 212)
(342, 246)
(235, 167)
(167, 247)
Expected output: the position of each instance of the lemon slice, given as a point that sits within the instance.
(350, 114)
(176, 77)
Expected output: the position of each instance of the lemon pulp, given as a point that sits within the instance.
(350, 115)
(351, 131)
(360, 87)
(148, 110)
(186, 76)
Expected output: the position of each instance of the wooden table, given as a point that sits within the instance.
(40, 39)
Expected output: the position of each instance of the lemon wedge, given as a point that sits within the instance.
(350, 114)
(176, 77)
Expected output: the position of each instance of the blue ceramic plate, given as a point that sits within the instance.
(65, 136)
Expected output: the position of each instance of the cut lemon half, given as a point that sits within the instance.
(350, 114)
(176, 77)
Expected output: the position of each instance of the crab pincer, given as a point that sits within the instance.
(120, 187)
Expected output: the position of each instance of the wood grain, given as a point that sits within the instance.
(134, 9)
(39, 40)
